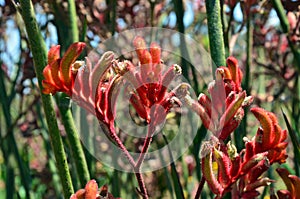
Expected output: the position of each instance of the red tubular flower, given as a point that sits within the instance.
(60, 73)
(292, 183)
(271, 137)
(223, 112)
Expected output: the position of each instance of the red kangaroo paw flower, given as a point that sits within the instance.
(296, 183)
(259, 169)
(112, 94)
(258, 183)
(53, 54)
(80, 194)
(139, 107)
(235, 166)
(267, 126)
(155, 52)
(284, 194)
(58, 73)
(198, 109)
(231, 125)
(250, 195)
(217, 92)
(232, 109)
(68, 59)
(167, 78)
(223, 162)
(235, 71)
(208, 174)
(252, 162)
(205, 102)
(249, 152)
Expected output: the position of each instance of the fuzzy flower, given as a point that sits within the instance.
(146, 86)
(60, 73)
(223, 168)
(222, 112)
(292, 184)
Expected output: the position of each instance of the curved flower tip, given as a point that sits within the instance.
(292, 183)
(271, 137)
(60, 72)
(235, 71)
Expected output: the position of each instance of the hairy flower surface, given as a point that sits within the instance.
(238, 173)
(222, 112)
(60, 73)
(292, 183)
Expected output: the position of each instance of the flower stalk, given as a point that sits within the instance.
(215, 32)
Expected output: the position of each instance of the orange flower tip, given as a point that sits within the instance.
(155, 51)
(53, 54)
(92, 184)
(264, 119)
(139, 43)
(232, 62)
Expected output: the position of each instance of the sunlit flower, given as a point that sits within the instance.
(223, 111)
(60, 73)
(223, 168)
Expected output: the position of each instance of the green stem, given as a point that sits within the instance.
(64, 103)
(215, 32)
(73, 31)
(74, 140)
(249, 41)
(39, 53)
(281, 15)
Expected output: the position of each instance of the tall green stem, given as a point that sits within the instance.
(64, 102)
(39, 53)
(215, 33)
(73, 31)
(249, 49)
(74, 140)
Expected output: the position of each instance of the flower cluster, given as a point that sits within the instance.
(241, 172)
(146, 87)
(223, 112)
